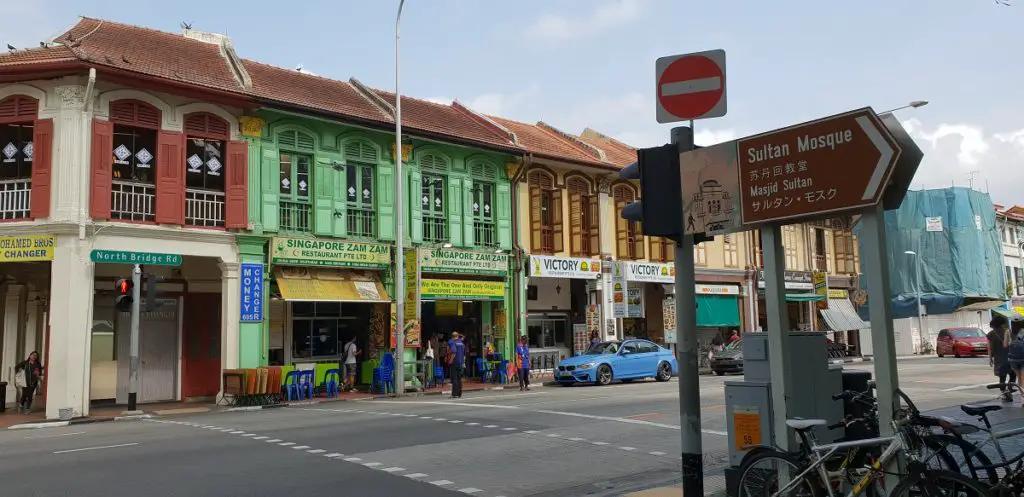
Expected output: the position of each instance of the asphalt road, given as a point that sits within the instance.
(551, 441)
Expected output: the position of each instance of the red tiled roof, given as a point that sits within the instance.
(618, 153)
(150, 52)
(445, 120)
(55, 53)
(314, 92)
(540, 141)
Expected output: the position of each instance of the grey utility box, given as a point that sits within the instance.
(749, 402)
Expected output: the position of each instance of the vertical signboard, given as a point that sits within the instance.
(251, 280)
(412, 299)
(618, 290)
(820, 281)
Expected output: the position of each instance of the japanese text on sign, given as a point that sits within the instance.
(251, 278)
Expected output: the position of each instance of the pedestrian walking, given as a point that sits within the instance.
(27, 376)
(523, 358)
(351, 353)
(1015, 354)
(998, 348)
(456, 363)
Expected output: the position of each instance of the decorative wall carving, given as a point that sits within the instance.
(71, 97)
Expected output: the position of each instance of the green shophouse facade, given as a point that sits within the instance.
(310, 178)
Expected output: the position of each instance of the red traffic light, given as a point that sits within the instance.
(124, 286)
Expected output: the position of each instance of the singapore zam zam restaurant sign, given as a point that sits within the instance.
(832, 164)
(546, 266)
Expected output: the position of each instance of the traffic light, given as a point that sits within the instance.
(660, 208)
(152, 292)
(123, 301)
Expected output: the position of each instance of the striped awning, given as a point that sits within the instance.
(841, 316)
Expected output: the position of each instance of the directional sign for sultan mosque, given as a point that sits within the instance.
(832, 164)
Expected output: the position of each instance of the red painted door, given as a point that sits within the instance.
(201, 347)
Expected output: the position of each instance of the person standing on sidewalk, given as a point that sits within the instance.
(1015, 354)
(33, 372)
(457, 363)
(351, 352)
(998, 344)
(523, 358)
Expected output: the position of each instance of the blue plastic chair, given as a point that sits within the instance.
(332, 381)
(438, 376)
(502, 372)
(305, 384)
(481, 369)
(291, 386)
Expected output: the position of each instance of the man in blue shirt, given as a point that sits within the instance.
(523, 356)
(457, 356)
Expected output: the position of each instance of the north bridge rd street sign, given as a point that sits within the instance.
(832, 164)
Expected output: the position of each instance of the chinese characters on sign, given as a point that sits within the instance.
(832, 164)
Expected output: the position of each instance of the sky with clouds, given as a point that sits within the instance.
(578, 63)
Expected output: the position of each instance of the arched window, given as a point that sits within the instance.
(584, 234)
(361, 188)
(629, 236)
(17, 126)
(484, 176)
(433, 197)
(134, 170)
(296, 159)
(545, 213)
(206, 164)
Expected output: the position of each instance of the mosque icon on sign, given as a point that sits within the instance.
(713, 208)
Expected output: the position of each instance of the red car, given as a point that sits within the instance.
(959, 342)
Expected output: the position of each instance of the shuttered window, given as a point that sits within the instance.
(629, 235)
(732, 253)
(206, 166)
(20, 164)
(843, 244)
(295, 180)
(545, 213)
(584, 227)
(136, 161)
(433, 198)
(484, 207)
(662, 249)
(361, 191)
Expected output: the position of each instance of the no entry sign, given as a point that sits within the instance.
(690, 86)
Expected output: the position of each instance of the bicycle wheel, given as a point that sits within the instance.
(956, 454)
(939, 483)
(759, 475)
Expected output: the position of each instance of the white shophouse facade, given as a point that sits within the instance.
(74, 296)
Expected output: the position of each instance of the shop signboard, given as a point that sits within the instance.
(618, 290)
(26, 248)
(432, 289)
(703, 289)
(795, 280)
(412, 299)
(668, 319)
(634, 302)
(838, 293)
(650, 272)
(251, 279)
(820, 281)
(450, 261)
(547, 266)
(329, 253)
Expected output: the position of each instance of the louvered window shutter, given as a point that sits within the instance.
(42, 161)
(236, 188)
(102, 158)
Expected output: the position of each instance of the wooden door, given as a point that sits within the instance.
(201, 346)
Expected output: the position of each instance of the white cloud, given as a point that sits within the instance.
(707, 137)
(439, 100)
(954, 153)
(505, 105)
(606, 16)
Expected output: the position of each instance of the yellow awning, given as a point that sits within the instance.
(299, 284)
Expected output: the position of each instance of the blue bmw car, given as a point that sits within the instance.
(628, 360)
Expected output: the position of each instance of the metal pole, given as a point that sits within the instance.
(133, 366)
(399, 223)
(687, 350)
(778, 334)
(921, 318)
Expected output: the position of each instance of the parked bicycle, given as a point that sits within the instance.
(812, 470)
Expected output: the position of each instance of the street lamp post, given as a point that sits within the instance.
(399, 221)
(912, 105)
(920, 308)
